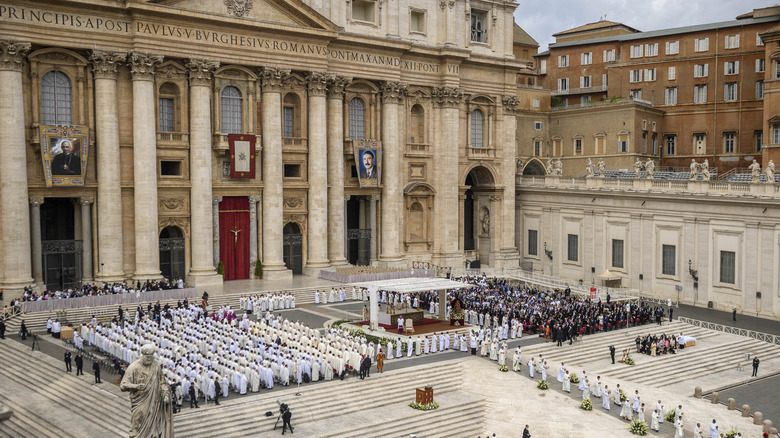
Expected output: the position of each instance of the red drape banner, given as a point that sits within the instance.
(234, 236)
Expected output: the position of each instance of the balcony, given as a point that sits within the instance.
(173, 139)
(418, 150)
(295, 144)
(476, 153)
(220, 141)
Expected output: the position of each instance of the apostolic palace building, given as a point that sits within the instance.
(144, 139)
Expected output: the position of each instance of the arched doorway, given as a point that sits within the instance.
(60, 249)
(172, 253)
(534, 167)
(293, 248)
(479, 221)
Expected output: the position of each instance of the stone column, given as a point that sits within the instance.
(445, 159)
(110, 252)
(13, 171)
(392, 191)
(253, 200)
(317, 241)
(86, 238)
(147, 253)
(215, 231)
(272, 81)
(496, 225)
(345, 240)
(35, 230)
(202, 272)
(336, 206)
(509, 255)
(372, 225)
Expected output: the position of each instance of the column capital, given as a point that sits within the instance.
(36, 202)
(142, 65)
(509, 103)
(12, 54)
(104, 63)
(273, 78)
(200, 71)
(336, 86)
(86, 200)
(254, 199)
(216, 200)
(447, 96)
(374, 198)
(393, 92)
(346, 197)
(317, 83)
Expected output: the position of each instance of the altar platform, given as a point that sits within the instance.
(391, 319)
(421, 328)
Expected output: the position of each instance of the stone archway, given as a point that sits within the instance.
(293, 248)
(481, 217)
(534, 167)
(172, 253)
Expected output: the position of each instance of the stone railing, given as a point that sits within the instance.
(417, 149)
(483, 152)
(654, 185)
(295, 142)
(173, 137)
(760, 336)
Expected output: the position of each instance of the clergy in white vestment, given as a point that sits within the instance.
(566, 382)
(660, 408)
(616, 394)
(625, 412)
(417, 346)
(316, 297)
(390, 349)
(678, 428)
(586, 390)
(502, 356)
(409, 346)
(713, 429)
(531, 367)
(597, 387)
(654, 420)
(605, 398)
(517, 359)
(583, 378)
(427, 347)
(561, 371)
(697, 431)
(434, 343)
(398, 348)
(544, 370)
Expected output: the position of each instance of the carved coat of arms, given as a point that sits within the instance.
(238, 7)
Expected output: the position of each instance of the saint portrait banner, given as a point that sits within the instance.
(368, 160)
(64, 155)
(242, 155)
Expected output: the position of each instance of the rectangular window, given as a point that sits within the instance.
(636, 76)
(537, 148)
(364, 10)
(701, 45)
(776, 133)
(732, 41)
(759, 139)
(166, 115)
(759, 89)
(728, 260)
(533, 244)
(538, 126)
(700, 94)
(586, 58)
(635, 94)
(730, 91)
(604, 81)
(670, 96)
(536, 103)
(288, 121)
(777, 69)
(170, 168)
(637, 51)
(672, 73)
(617, 253)
(728, 142)
(578, 146)
(672, 47)
(670, 143)
(574, 251)
(543, 66)
(651, 49)
(759, 41)
(563, 61)
(585, 82)
(609, 55)
(563, 85)
(622, 145)
(650, 74)
(760, 65)
(479, 26)
(701, 70)
(292, 170)
(731, 67)
(669, 260)
(417, 21)
(655, 143)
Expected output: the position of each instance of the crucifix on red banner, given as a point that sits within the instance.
(242, 155)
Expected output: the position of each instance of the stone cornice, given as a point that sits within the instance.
(317, 83)
(104, 63)
(447, 96)
(393, 92)
(336, 86)
(142, 65)
(200, 71)
(273, 79)
(12, 54)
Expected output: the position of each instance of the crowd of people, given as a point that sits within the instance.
(90, 289)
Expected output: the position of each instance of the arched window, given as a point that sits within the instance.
(290, 116)
(417, 134)
(166, 107)
(477, 131)
(55, 99)
(357, 119)
(232, 103)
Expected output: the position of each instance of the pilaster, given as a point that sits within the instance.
(447, 102)
(335, 174)
(392, 196)
(86, 237)
(509, 254)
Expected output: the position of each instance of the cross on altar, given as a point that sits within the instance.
(235, 232)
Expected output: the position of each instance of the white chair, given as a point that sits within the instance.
(409, 326)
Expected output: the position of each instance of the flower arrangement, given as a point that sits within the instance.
(630, 361)
(543, 384)
(503, 368)
(586, 405)
(671, 415)
(574, 378)
(732, 433)
(623, 396)
(424, 407)
(638, 427)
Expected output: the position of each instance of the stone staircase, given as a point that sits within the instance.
(329, 403)
(48, 402)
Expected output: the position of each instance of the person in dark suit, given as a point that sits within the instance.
(217, 390)
(286, 417)
(79, 364)
(755, 366)
(23, 331)
(612, 353)
(526, 432)
(96, 370)
(67, 361)
(193, 397)
(369, 168)
(365, 368)
(66, 163)
(2, 329)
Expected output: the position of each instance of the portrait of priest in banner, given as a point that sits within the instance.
(368, 169)
(66, 159)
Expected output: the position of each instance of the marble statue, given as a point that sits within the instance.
(601, 168)
(638, 169)
(151, 414)
(589, 168)
(650, 167)
(694, 170)
(550, 169)
(755, 171)
(486, 222)
(519, 167)
(559, 167)
(705, 170)
(770, 172)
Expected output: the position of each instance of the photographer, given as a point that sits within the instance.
(286, 416)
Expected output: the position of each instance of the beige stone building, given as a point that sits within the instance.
(225, 132)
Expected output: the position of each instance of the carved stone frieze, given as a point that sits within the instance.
(12, 54)
(293, 202)
(104, 63)
(510, 103)
(172, 203)
(239, 8)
